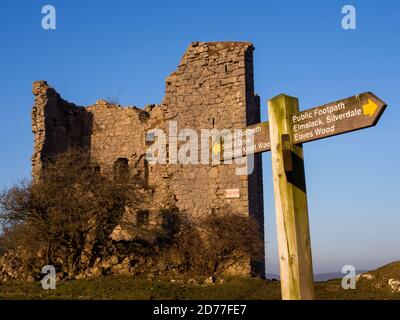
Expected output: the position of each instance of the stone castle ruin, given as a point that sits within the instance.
(212, 88)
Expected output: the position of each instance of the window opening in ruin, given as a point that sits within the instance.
(146, 172)
(170, 219)
(150, 138)
(121, 169)
(96, 168)
(142, 218)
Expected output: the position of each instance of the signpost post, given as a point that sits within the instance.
(284, 135)
(290, 202)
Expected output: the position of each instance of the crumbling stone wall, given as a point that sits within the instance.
(56, 124)
(212, 88)
(117, 133)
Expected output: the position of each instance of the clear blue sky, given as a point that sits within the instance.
(125, 49)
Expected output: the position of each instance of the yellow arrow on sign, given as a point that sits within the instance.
(369, 108)
(216, 148)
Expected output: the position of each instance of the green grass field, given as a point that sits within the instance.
(123, 288)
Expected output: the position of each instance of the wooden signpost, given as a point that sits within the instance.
(290, 202)
(283, 135)
(342, 116)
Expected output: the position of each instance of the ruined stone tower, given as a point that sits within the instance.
(212, 87)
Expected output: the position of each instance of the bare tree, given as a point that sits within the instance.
(213, 243)
(69, 213)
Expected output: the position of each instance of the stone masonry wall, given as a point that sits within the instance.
(117, 133)
(56, 124)
(212, 88)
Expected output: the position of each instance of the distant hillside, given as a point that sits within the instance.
(317, 277)
(380, 284)
(272, 276)
(385, 279)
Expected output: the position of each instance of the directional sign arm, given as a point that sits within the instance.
(346, 115)
(351, 114)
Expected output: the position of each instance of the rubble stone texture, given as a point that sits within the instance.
(212, 87)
